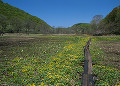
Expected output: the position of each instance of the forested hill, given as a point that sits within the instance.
(81, 27)
(13, 19)
(111, 22)
(101, 26)
(98, 25)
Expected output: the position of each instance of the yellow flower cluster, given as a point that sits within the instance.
(60, 69)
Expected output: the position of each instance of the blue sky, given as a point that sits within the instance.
(65, 13)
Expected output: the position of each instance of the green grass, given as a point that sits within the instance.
(41, 47)
(106, 74)
(54, 60)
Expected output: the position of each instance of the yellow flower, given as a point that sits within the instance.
(50, 76)
(33, 84)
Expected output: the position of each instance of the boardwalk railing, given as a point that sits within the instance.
(87, 76)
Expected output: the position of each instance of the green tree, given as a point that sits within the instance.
(3, 24)
(111, 22)
(9, 28)
(20, 20)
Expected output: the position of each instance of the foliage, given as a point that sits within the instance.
(81, 28)
(62, 30)
(111, 22)
(18, 18)
(109, 25)
(13, 20)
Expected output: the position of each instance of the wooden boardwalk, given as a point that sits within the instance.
(87, 76)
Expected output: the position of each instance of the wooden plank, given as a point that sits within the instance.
(87, 77)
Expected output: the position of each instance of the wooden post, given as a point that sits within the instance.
(87, 77)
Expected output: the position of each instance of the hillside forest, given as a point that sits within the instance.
(15, 20)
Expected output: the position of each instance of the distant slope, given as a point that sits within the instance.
(109, 25)
(113, 16)
(13, 19)
(112, 21)
(81, 27)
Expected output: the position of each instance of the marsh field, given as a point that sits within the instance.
(57, 60)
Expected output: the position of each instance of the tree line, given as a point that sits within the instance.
(14, 20)
(99, 25)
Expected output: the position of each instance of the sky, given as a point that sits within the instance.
(65, 13)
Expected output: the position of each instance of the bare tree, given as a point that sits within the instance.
(95, 23)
